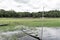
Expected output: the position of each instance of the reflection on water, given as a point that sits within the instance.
(48, 34)
(51, 34)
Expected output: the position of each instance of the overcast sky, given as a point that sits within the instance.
(30, 5)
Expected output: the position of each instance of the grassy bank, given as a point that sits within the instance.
(33, 22)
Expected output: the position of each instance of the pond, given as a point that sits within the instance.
(49, 33)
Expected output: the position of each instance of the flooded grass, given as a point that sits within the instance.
(13, 31)
(30, 22)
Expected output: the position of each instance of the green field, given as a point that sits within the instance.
(30, 22)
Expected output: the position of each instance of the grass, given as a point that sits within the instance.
(31, 22)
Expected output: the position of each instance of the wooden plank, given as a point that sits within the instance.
(32, 36)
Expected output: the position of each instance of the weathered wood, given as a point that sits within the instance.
(32, 36)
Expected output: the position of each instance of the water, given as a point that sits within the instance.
(48, 34)
(51, 34)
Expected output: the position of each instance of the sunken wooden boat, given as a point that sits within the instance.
(32, 36)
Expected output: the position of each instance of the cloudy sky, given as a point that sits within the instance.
(30, 5)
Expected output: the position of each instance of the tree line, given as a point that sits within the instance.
(12, 13)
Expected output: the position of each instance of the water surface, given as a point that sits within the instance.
(49, 33)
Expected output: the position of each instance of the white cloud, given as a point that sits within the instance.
(22, 1)
(29, 5)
